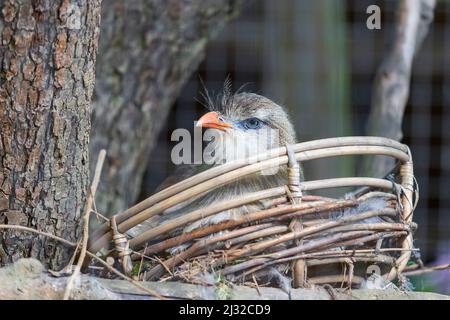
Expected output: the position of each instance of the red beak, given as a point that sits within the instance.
(211, 120)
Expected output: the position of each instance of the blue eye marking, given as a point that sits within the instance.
(250, 124)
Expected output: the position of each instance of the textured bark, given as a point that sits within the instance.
(148, 50)
(47, 53)
(391, 85)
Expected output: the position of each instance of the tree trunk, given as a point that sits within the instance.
(47, 52)
(148, 50)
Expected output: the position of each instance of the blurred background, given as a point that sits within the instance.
(319, 60)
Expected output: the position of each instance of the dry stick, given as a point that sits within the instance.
(337, 253)
(347, 182)
(322, 261)
(374, 237)
(297, 214)
(385, 249)
(120, 274)
(377, 194)
(48, 235)
(304, 208)
(272, 230)
(251, 217)
(334, 244)
(314, 222)
(426, 270)
(380, 226)
(344, 253)
(271, 203)
(283, 200)
(90, 254)
(365, 240)
(312, 245)
(164, 265)
(355, 254)
(200, 246)
(206, 212)
(87, 211)
(377, 236)
(260, 230)
(380, 259)
(98, 214)
(369, 238)
(222, 175)
(258, 247)
(322, 256)
(170, 263)
(306, 186)
(140, 265)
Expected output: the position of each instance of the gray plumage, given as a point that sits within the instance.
(235, 110)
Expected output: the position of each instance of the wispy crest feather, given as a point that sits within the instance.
(221, 102)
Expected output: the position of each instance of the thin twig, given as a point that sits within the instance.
(256, 284)
(427, 270)
(90, 254)
(68, 268)
(203, 244)
(292, 251)
(260, 246)
(87, 211)
(140, 264)
(120, 274)
(49, 235)
(98, 214)
(300, 209)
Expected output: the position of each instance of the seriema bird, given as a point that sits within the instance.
(243, 124)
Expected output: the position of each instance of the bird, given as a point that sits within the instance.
(242, 123)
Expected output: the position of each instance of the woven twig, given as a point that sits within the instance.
(293, 226)
(229, 172)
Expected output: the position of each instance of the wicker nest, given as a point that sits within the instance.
(310, 238)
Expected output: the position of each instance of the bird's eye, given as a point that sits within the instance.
(252, 123)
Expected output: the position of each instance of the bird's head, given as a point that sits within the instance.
(245, 124)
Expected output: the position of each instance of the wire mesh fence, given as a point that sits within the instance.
(319, 59)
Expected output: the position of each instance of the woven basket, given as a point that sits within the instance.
(306, 236)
